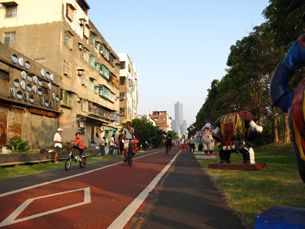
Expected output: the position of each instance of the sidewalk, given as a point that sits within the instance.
(188, 199)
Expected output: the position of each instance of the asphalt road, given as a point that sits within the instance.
(158, 191)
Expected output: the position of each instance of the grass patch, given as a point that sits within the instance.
(22, 170)
(253, 192)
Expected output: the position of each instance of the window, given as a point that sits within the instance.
(122, 80)
(66, 98)
(104, 72)
(111, 58)
(68, 40)
(10, 38)
(104, 91)
(41, 61)
(85, 105)
(122, 64)
(86, 31)
(96, 89)
(96, 44)
(67, 68)
(129, 68)
(122, 111)
(85, 55)
(70, 12)
(112, 97)
(92, 38)
(129, 83)
(122, 96)
(11, 11)
(92, 61)
(104, 51)
(91, 86)
(97, 66)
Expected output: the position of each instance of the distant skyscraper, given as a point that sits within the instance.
(179, 125)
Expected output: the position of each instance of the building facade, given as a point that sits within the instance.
(129, 95)
(149, 119)
(29, 99)
(162, 119)
(179, 125)
(59, 35)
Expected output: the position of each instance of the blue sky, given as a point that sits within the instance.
(178, 46)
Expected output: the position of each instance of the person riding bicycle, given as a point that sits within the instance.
(128, 136)
(80, 146)
(168, 142)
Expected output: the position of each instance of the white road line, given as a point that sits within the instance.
(65, 178)
(11, 218)
(125, 216)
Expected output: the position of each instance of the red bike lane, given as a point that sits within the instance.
(105, 197)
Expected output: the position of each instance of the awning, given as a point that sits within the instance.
(114, 128)
(96, 119)
(8, 3)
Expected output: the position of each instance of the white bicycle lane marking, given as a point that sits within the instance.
(66, 178)
(11, 218)
(125, 216)
(119, 222)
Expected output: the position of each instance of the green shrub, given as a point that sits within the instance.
(17, 145)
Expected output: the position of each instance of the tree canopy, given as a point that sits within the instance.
(251, 63)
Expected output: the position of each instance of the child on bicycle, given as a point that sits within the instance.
(80, 146)
(128, 136)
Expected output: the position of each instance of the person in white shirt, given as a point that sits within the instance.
(112, 145)
(58, 144)
(128, 136)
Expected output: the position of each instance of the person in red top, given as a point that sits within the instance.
(80, 146)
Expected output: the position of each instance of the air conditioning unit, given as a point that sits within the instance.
(79, 73)
(82, 124)
(101, 52)
(80, 47)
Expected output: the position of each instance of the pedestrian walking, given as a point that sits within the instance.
(112, 145)
(103, 142)
(58, 144)
(183, 144)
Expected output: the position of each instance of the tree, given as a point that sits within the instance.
(145, 131)
(174, 134)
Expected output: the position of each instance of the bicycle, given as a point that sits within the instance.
(76, 158)
(168, 149)
(129, 154)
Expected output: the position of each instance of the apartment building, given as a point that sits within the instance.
(163, 120)
(59, 35)
(149, 119)
(129, 95)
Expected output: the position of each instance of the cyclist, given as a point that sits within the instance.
(80, 146)
(128, 136)
(168, 142)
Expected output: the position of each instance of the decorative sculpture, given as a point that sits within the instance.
(235, 132)
(292, 102)
(204, 136)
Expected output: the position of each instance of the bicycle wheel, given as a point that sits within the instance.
(167, 151)
(130, 160)
(84, 163)
(68, 164)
